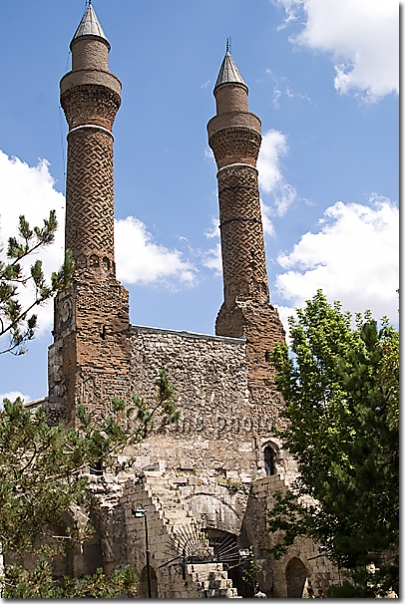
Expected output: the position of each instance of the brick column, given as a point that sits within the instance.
(90, 110)
(90, 359)
(235, 138)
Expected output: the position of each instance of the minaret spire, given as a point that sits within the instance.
(90, 357)
(90, 26)
(235, 137)
(228, 71)
(90, 97)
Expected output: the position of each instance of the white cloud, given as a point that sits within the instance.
(213, 259)
(276, 96)
(274, 146)
(361, 35)
(140, 260)
(30, 190)
(11, 396)
(285, 312)
(354, 258)
(214, 230)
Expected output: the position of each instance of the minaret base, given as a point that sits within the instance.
(90, 359)
(260, 325)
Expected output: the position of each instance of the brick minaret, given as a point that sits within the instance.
(89, 360)
(235, 138)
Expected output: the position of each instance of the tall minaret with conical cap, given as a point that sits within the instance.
(90, 96)
(235, 138)
(89, 360)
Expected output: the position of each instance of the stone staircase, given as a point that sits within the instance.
(167, 497)
(213, 580)
(167, 493)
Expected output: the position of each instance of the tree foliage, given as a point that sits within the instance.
(162, 413)
(340, 385)
(16, 320)
(252, 570)
(44, 479)
(19, 582)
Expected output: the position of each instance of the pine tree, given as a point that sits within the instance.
(17, 321)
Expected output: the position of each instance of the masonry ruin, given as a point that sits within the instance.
(208, 482)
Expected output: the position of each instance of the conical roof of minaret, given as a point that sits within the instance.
(90, 26)
(228, 72)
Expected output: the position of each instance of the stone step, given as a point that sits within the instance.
(221, 593)
(221, 583)
(167, 493)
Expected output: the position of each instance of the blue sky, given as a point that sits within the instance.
(323, 78)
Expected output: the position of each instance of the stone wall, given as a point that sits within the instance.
(302, 564)
(208, 372)
(128, 546)
(218, 427)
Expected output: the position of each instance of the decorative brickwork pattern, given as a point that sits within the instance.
(90, 199)
(246, 311)
(235, 145)
(90, 104)
(89, 361)
(243, 256)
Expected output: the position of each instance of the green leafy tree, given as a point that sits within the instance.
(251, 572)
(43, 479)
(16, 320)
(340, 385)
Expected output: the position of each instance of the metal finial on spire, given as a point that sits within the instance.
(228, 72)
(89, 25)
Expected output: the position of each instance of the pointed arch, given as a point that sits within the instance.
(295, 575)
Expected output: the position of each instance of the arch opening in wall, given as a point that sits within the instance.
(226, 551)
(295, 575)
(269, 455)
(143, 583)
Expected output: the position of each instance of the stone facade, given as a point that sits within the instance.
(207, 483)
(302, 565)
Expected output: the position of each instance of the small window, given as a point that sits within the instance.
(269, 461)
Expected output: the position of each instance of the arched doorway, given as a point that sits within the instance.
(269, 461)
(295, 574)
(143, 583)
